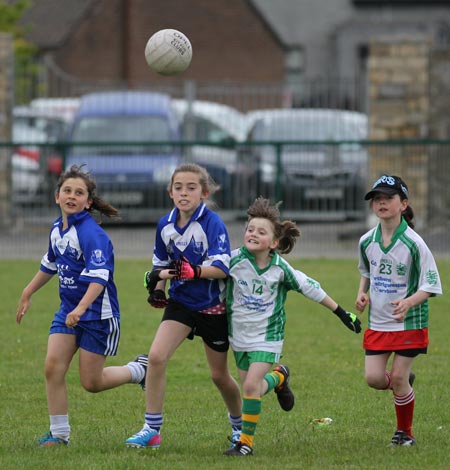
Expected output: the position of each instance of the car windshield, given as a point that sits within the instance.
(304, 127)
(22, 132)
(38, 129)
(122, 129)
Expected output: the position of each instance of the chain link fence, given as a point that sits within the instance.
(327, 203)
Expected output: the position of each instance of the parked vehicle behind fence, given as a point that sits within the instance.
(322, 175)
(224, 127)
(36, 160)
(112, 135)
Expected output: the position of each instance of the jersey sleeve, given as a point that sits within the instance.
(218, 246)
(300, 282)
(99, 256)
(429, 280)
(48, 261)
(363, 261)
(160, 255)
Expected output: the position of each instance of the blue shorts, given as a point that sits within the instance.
(97, 336)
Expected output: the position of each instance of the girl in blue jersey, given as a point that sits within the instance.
(80, 253)
(260, 279)
(192, 249)
(399, 271)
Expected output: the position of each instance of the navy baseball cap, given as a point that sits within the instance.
(390, 185)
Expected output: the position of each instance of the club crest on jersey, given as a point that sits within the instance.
(223, 242)
(432, 277)
(401, 269)
(313, 283)
(198, 247)
(97, 258)
(69, 251)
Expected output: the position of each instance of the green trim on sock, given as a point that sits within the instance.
(273, 380)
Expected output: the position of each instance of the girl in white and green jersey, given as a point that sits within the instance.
(258, 283)
(398, 274)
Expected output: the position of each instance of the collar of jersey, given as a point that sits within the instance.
(397, 234)
(251, 257)
(76, 218)
(201, 210)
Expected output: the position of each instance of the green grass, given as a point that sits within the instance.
(326, 361)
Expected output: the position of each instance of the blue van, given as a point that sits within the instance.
(112, 135)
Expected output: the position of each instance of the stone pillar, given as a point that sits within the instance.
(398, 103)
(439, 202)
(6, 104)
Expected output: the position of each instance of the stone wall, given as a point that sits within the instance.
(399, 107)
(6, 101)
(439, 171)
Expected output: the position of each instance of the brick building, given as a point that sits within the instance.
(105, 39)
(316, 49)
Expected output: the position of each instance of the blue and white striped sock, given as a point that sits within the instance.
(154, 420)
(137, 372)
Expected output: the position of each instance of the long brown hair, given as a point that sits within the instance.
(98, 204)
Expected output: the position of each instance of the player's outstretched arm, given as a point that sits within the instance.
(39, 280)
(350, 320)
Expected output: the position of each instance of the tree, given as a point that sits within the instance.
(24, 52)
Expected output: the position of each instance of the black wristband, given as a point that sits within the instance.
(339, 311)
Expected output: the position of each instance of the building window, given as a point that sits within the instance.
(294, 64)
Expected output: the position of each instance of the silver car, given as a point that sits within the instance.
(315, 163)
(35, 161)
(220, 129)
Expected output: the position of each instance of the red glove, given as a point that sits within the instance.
(186, 270)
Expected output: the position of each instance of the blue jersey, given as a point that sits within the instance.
(80, 255)
(203, 241)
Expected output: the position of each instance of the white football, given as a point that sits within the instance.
(168, 52)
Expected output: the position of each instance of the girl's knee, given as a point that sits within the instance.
(376, 381)
(156, 360)
(219, 378)
(54, 369)
(92, 386)
(399, 380)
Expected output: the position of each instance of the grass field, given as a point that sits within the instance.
(326, 362)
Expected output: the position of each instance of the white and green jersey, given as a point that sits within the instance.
(256, 298)
(397, 272)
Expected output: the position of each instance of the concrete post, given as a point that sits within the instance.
(6, 105)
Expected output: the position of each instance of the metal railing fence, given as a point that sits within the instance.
(321, 183)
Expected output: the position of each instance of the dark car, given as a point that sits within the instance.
(127, 140)
(322, 172)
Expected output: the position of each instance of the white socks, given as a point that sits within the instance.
(137, 372)
(59, 426)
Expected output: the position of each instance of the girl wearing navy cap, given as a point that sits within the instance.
(398, 275)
